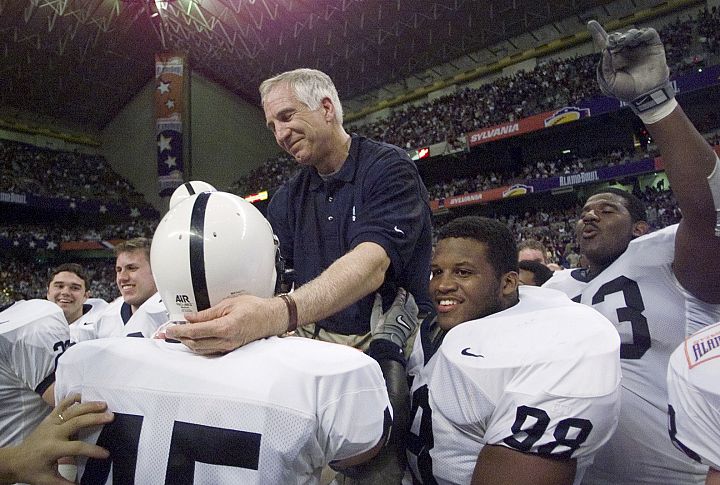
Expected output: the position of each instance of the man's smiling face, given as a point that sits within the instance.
(464, 285)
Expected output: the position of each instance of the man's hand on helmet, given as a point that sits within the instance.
(231, 323)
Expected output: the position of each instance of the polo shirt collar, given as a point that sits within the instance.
(346, 173)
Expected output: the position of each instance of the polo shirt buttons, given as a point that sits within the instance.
(330, 218)
(329, 199)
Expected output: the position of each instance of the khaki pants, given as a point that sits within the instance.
(360, 342)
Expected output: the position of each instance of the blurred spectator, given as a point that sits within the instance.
(532, 250)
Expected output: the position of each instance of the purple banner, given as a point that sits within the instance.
(81, 206)
(697, 80)
(593, 176)
(600, 105)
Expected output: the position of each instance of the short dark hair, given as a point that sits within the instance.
(635, 206)
(136, 244)
(541, 273)
(500, 243)
(71, 268)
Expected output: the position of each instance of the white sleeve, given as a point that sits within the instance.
(354, 412)
(36, 349)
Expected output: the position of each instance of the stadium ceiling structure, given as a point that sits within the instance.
(81, 61)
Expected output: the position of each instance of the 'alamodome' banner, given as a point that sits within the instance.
(601, 174)
(169, 72)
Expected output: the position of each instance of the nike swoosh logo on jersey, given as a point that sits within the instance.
(396, 229)
(466, 351)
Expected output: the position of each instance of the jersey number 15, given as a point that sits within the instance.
(190, 443)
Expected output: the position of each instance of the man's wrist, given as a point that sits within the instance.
(655, 104)
(656, 114)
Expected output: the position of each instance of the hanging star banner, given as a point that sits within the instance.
(169, 93)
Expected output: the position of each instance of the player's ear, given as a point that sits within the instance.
(509, 284)
(640, 228)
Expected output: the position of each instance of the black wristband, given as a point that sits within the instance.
(381, 349)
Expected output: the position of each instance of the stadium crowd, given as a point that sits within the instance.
(27, 169)
(556, 83)
(691, 43)
(58, 231)
(565, 165)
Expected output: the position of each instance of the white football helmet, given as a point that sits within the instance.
(211, 246)
(189, 189)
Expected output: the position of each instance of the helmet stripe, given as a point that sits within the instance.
(197, 251)
(189, 188)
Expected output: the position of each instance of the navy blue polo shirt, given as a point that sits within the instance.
(377, 196)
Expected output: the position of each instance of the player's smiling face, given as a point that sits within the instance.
(464, 285)
(67, 290)
(134, 277)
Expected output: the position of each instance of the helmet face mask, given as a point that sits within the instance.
(211, 246)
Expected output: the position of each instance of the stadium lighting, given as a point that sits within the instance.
(420, 153)
(263, 195)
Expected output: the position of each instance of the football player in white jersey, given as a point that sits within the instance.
(520, 385)
(68, 288)
(694, 399)
(33, 335)
(275, 411)
(656, 288)
(139, 311)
